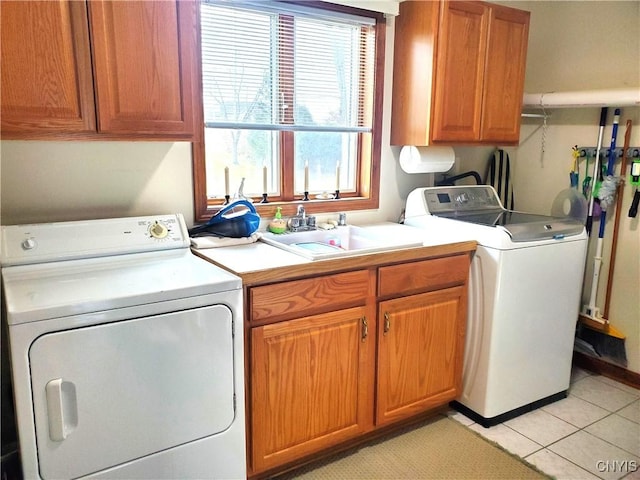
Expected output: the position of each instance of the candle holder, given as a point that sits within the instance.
(337, 195)
(306, 196)
(226, 200)
(264, 198)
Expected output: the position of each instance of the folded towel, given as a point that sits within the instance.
(212, 241)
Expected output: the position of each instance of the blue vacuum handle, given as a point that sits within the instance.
(221, 215)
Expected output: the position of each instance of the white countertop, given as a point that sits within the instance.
(259, 256)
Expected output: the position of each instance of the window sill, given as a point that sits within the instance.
(268, 210)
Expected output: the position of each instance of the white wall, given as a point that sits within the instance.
(577, 46)
(540, 177)
(44, 181)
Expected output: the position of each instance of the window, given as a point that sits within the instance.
(291, 100)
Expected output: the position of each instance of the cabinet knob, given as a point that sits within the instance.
(387, 323)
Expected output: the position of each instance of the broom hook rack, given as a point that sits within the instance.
(632, 152)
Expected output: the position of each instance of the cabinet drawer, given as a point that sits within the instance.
(309, 296)
(424, 275)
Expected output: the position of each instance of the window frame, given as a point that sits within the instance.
(368, 183)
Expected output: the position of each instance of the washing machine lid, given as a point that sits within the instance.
(71, 268)
(480, 205)
(521, 227)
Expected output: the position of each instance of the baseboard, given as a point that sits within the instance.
(607, 369)
(503, 417)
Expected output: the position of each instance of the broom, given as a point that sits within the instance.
(591, 197)
(607, 341)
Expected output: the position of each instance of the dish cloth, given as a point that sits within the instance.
(212, 241)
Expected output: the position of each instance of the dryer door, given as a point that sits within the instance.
(108, 394)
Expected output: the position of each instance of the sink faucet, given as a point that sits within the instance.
(301, 222)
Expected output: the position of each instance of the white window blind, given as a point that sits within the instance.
(276, 66)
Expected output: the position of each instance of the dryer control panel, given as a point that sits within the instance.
(50, 242)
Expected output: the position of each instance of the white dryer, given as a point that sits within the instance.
(126, 351)
(524, 297)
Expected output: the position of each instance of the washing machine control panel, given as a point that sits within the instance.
(50, 242)
(440, 200)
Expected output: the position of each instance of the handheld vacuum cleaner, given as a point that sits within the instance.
(238, 219)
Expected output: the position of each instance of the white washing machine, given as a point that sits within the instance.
(126, 351)
(524, 297)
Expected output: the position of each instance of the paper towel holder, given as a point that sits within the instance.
(426, 159)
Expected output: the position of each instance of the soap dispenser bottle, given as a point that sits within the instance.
(278, 224)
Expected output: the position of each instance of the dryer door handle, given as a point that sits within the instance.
(61, 408)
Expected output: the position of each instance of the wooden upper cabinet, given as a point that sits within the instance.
(99, 69)
(144, 56)
(458, 73)
(504, 74)
(462, 46)
(46, 82)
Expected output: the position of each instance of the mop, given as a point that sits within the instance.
(606, 341)
(591, 198)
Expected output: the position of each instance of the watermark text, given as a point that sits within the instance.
(617, 466)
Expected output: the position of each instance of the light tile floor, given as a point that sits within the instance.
(593, 433)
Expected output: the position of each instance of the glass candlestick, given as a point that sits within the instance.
(306, 196)
(264, 198)
(337, 195)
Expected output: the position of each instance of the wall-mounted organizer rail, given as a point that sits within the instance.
(632, 152)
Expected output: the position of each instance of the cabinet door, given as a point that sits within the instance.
(46, 69)
(459, 69)
(311, 385)
(504, 75)
(413, 61)
(144, 56)
(420, 352)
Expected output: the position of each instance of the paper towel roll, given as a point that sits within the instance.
(426, 159)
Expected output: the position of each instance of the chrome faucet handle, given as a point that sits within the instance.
(311, 222)
(301, 212)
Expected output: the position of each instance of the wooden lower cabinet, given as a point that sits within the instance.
(420, 353)
(335, 356)
(310, 384)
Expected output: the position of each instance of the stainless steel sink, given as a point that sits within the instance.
(339, 242)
